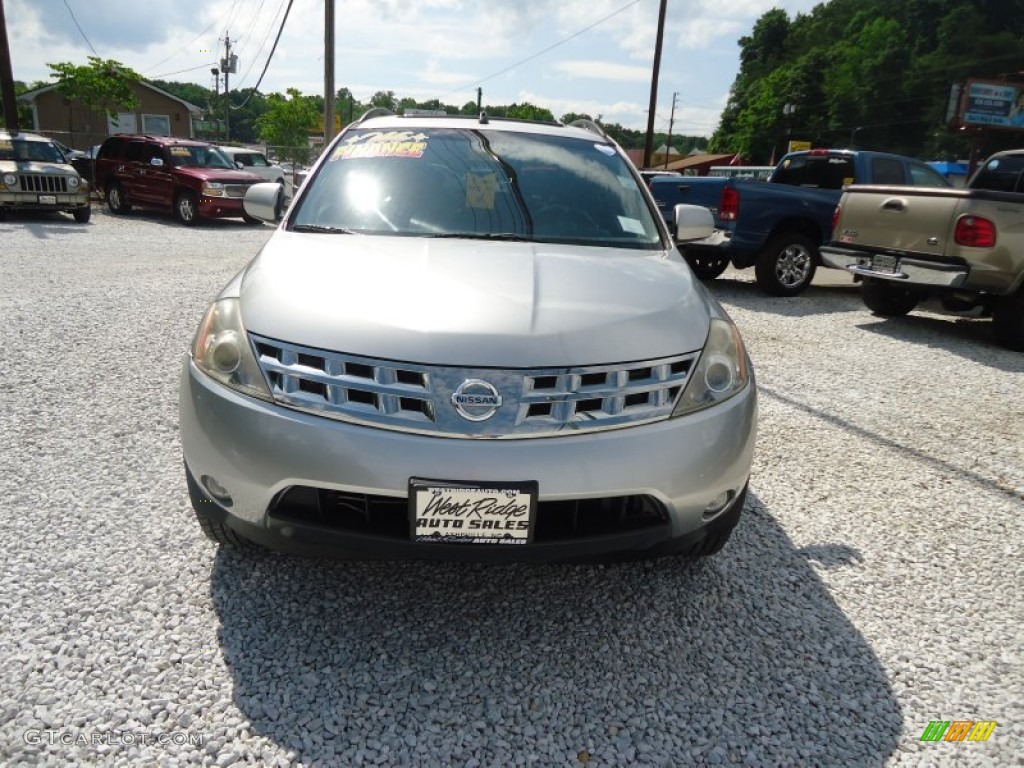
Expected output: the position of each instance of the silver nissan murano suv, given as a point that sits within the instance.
(469, 338)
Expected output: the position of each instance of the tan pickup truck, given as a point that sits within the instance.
(963, 246)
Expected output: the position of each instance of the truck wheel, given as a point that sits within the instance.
(786, 265)
(115, 200)
(82, 215)
(1008, 321)
(887, 300)
(186, 209)
(705, 266)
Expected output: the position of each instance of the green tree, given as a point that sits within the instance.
(287, 122)
(102, 85)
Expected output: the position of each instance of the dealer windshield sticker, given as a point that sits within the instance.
(480, 190)
(382, 144)
(182, 151)
(633, 226)
(6, 144)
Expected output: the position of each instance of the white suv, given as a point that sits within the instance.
(472, 339)
(254, 161)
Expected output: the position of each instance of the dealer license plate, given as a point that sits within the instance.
(443, 511)
(885, 263)
(47, 199)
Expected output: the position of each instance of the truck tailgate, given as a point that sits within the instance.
(902, 219)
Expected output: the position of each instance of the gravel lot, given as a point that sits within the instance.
(873, 585)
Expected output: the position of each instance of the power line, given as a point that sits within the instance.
(207, 65)
(80, 29)
(263, 42)
(189, 43)
(539, 53)
(269, 57)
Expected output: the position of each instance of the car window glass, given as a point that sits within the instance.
(923, 176)
(821, 171)
(243, 158)
(257, 159)
(1002, 174)
(198, 156)
(151, 152)
(30, 151)
(133, 153)
(887, 170)
(478, 182)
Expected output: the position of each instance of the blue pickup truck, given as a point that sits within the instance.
(778, 225)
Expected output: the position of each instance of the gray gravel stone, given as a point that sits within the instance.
(872, 586)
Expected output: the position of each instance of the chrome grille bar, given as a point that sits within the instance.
(414, 397)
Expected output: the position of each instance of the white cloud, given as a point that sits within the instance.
(605, 70)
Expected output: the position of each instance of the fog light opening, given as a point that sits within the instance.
(215, 489)
(718, 505)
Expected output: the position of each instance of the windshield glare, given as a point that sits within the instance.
(187, 156)
(479, 183)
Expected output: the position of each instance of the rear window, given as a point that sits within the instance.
(1001, 174)
(820, 171)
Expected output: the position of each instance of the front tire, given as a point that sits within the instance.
(787, 264)
(82, 215)
(706, 266)
(186, 209)
(887, 300)
(1008, 321)
(115, 200)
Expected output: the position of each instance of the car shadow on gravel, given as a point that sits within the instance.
(969, 338)
(41, 224)
(816, 300)
(741, 658)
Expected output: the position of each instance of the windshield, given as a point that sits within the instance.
(191, 156)
(455, 182)
(33, 151)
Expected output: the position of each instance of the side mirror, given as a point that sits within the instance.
(693, 222)
(264, 201)
(156, 161)
(239, 164)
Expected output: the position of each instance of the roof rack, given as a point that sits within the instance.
(589, 125)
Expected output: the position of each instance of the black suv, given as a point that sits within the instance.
(194, 179)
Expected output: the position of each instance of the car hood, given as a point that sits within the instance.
(226, 175)
(472, 303)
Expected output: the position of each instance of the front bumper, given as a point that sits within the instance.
(257, 451)
(220, 207)
(907, 269)
(43, 201)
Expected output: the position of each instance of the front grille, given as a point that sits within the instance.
(235, 190)
(388, 516)
(413, 397)
(41, 182)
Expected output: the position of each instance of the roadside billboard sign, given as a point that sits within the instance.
(992, 104)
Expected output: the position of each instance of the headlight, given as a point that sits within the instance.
(222, 351)
(10, 180)
(721, 371)
(213, 189)
(72, 182)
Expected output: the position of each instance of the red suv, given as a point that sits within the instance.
(194, 179)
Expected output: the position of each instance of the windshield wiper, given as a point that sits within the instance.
(484, 236)
(323, 228)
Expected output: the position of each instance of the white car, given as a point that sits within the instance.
(254, 161)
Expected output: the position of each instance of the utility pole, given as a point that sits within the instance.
(10, 101)
(671, 122)
(328, 71)
(654, 85)
(228, 65)
(479, 99)
(216, 100)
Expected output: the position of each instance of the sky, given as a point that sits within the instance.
(584, 56)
